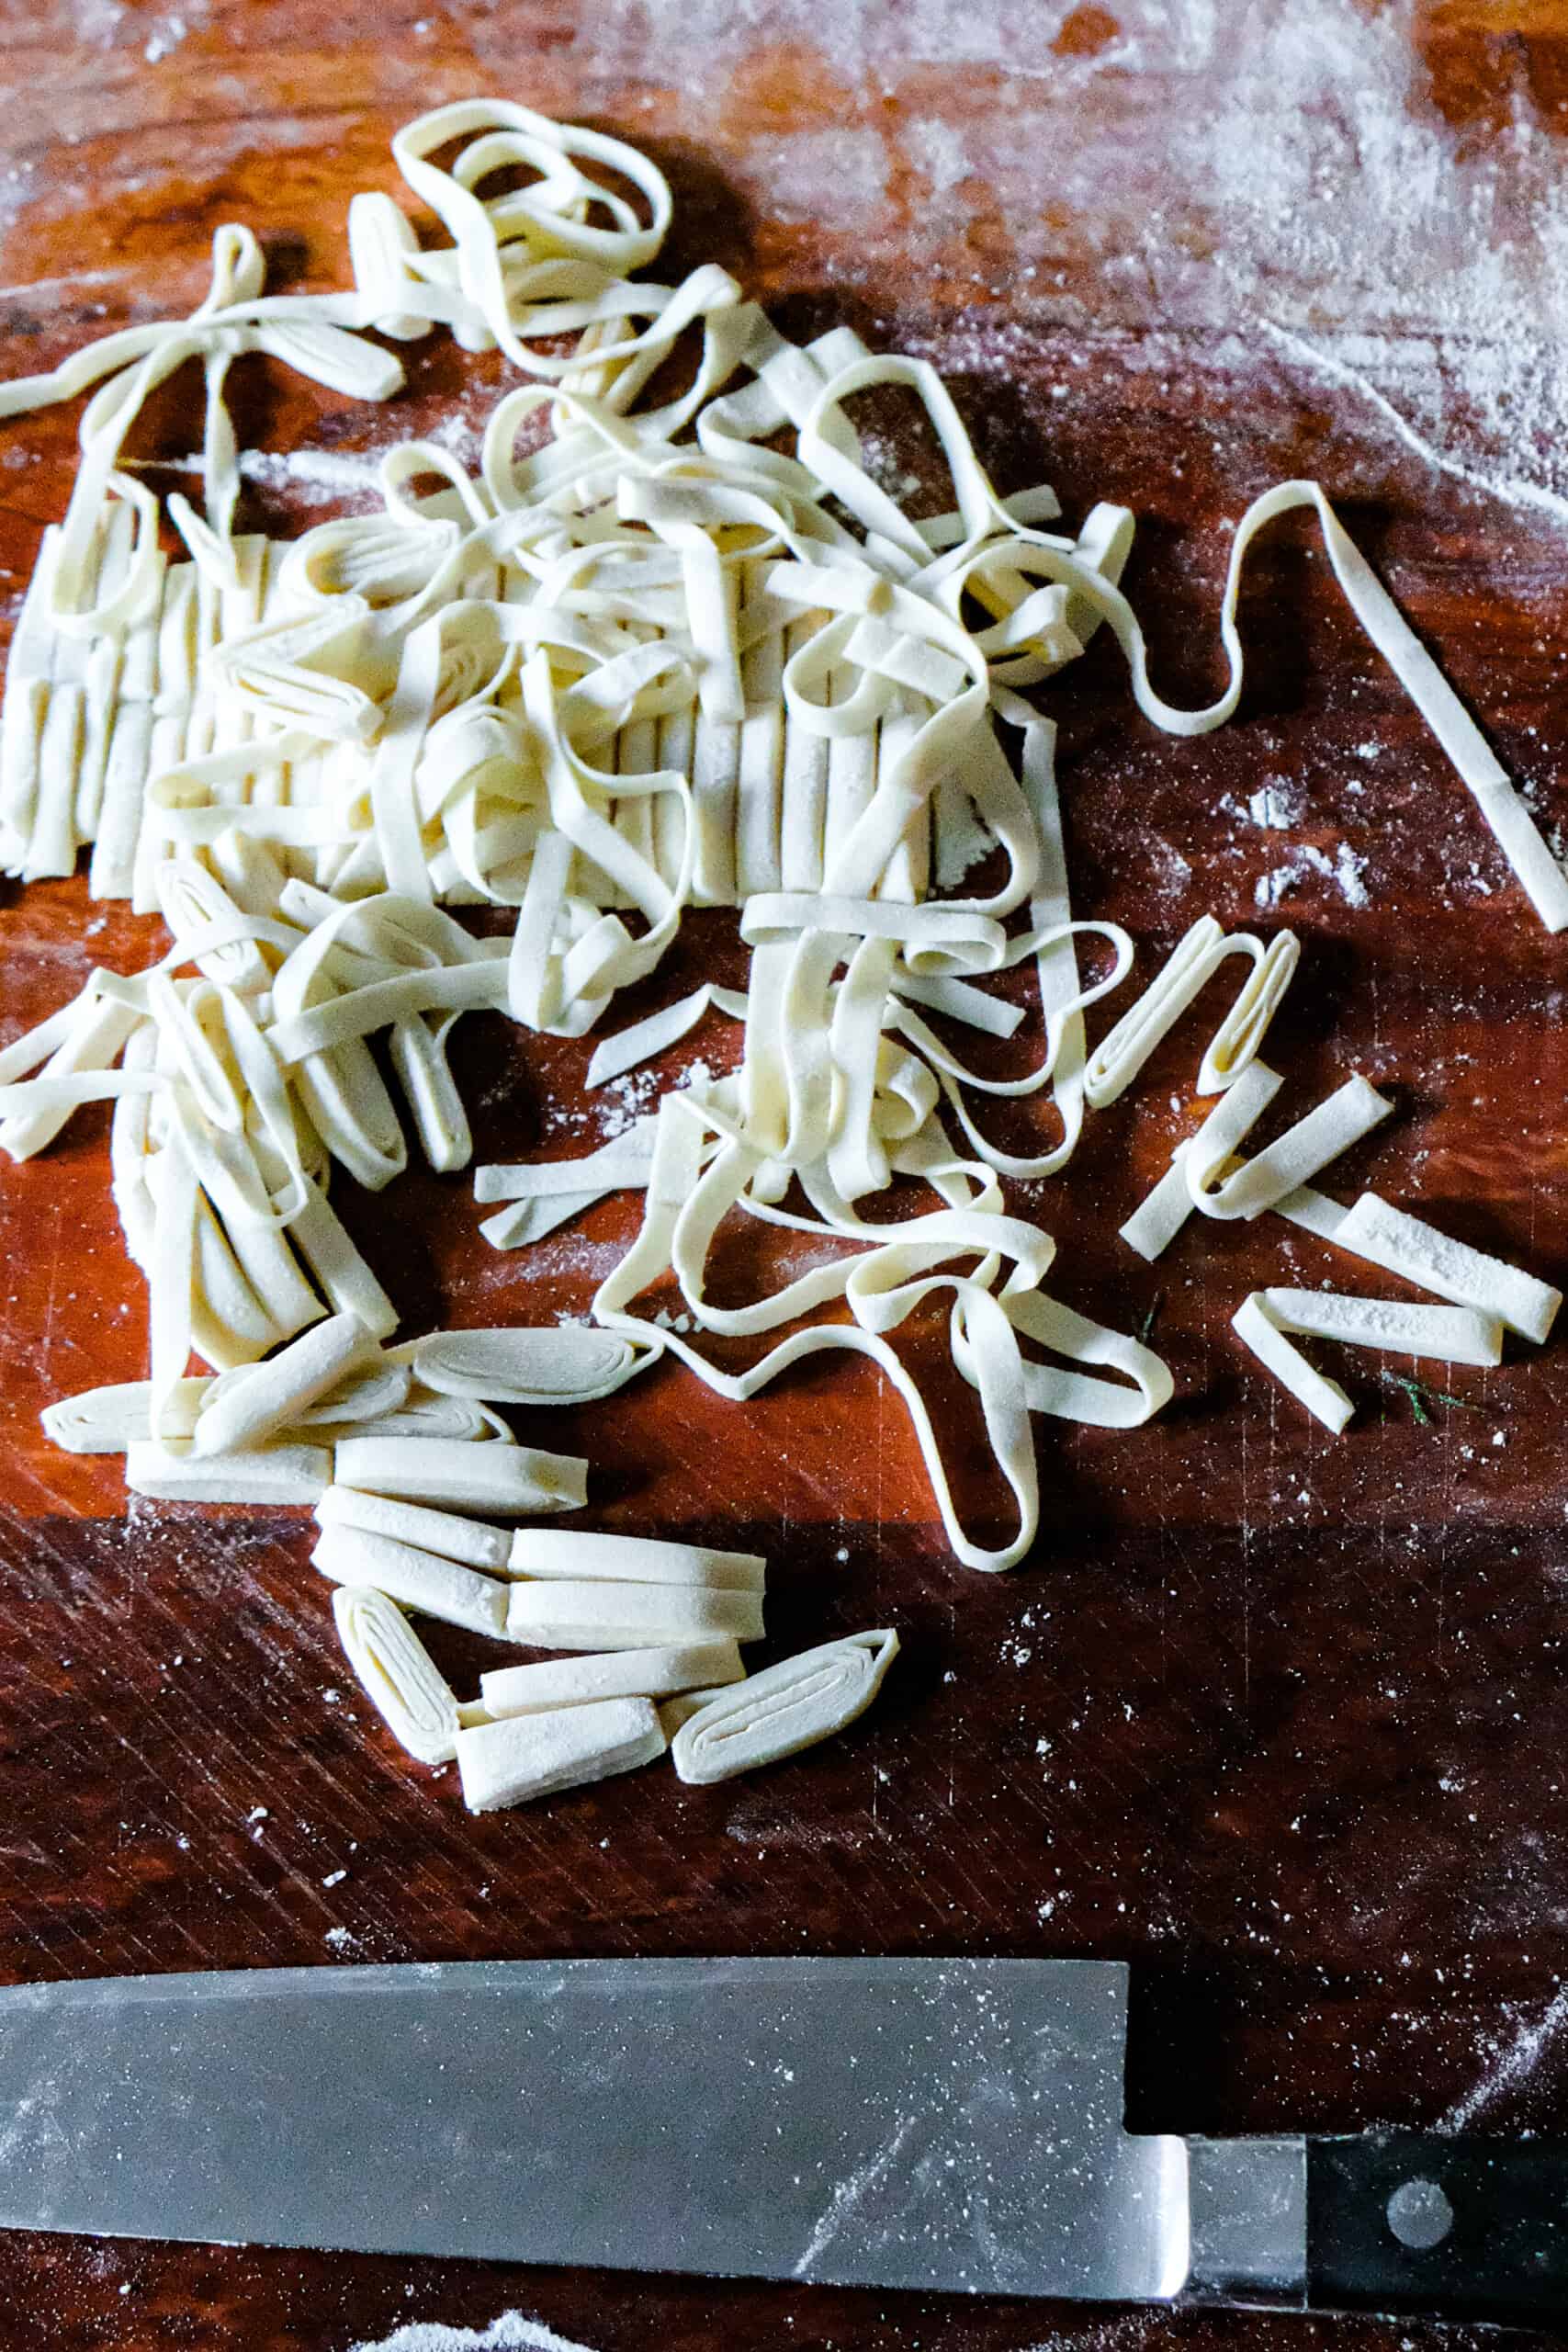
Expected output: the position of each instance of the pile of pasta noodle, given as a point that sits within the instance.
(672, 644)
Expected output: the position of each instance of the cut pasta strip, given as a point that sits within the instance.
(345, 1278)
(1193, 962)
(397, 1673)
(527, 1221)
(550, 1364)
(1403, 1244)
(1285, 1165)
(1160, 1216)
(425, 1417)
(683, 1705)
(633, 1559)
(271, 1474)
(617, 1674)
(1452, 1334)
(246, 1407)
(1078, 1395)
(788, 1707)
(576, 1613)
(625, 1161)
(647, 1039)
(476, 1477)
(469, 1540)
(419, 1580)
(349, 1408)
(109, 1420)
(1324, 1399)
(526, 1757)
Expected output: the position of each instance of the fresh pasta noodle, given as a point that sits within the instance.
(421, 1580)
(551, 1364)
(108, 1420)
(542, 1551)
(246, 1407)
(653, 1673)
(452, 1537)
(593, 1613)
(687, 650)
(441, 1471)
(788, 1707)
(1283, 1166)
(1453, 1334)
(1263, 1332)
(397, 1673)
(270, 1475)
(525, 1757)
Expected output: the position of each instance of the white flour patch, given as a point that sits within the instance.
(1509, 487)
(1515, 2065)
(510, 2333)
(1294, 196)
(322, 477)
(1172, 871)
(1274, 807)
(1271, 887)
(164, 38)
(850, 2194)
(1426, 268)
(1345, 869)
(846, 169)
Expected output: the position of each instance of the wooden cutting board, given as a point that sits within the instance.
(1280, 1719)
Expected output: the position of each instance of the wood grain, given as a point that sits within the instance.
(1279, 1719)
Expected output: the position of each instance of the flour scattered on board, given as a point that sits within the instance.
(164, 38)
(1515, 2064)
(1345, 869)
(321, 477)
(510, 2333)
(1298, 193)
(1274, 807)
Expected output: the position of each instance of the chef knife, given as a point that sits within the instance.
(925, 2123)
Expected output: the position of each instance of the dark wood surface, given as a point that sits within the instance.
(1277, 1718)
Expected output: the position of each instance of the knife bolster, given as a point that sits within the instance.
(1249, 2221)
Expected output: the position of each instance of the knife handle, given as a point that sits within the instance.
(1412, 2223)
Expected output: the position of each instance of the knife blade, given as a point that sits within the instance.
(922, 2124)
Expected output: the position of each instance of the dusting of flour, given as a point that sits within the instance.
(510, 2333)
(1277, 176)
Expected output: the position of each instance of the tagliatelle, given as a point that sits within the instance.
(108, 1420)
(1119, 1057)
(423, 1581)
(684, 650)
(397, 1673)
(618, 1674)
(573, 1614)
(1405, 1245)
(452, 1537)
(1286, 1164)
(274, 1474)
(633, 1559)
(1204, 1172)
(790, 1706)
(554, 1365)
(440, 1471)
(245, 1408)
(1256, 1323)
(1453, 1334)
(524, 1756)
